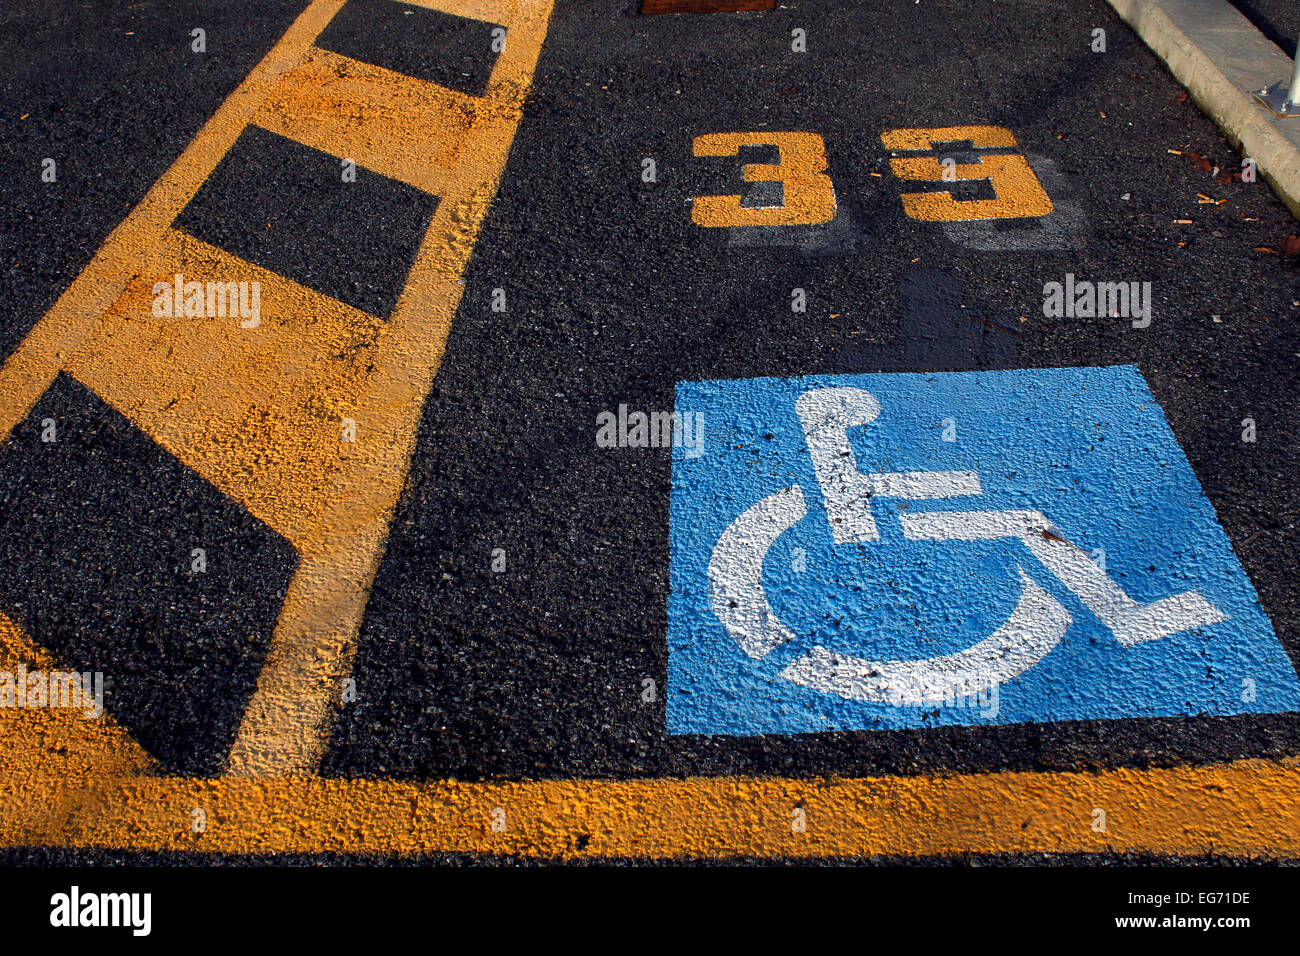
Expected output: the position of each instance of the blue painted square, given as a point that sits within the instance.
(1089, 448)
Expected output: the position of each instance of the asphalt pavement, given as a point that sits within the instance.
(517, 629)
(615, 296)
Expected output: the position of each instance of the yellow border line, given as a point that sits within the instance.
(285, 724)
(1249, 808)
(340, 546)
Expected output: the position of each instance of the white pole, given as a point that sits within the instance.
(1294, 94)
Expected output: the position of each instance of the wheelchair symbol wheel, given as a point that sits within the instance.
(1036, 625)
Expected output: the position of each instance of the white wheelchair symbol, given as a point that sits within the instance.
(1033, 629)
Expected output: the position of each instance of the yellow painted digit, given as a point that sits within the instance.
(801, 170)
(1019, 193)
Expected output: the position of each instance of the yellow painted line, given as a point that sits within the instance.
(1248, 808)
(283, 389)
(132, 246)
(256, 412)
(40, 741)
(260, 412)
(403, 128)
(485, 10)
(285, 724)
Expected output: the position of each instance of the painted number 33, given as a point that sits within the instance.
(809, 196)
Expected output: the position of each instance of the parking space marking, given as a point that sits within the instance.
(34, 736)
(402, 128)
(1018, 191)
(204, 389)
(809, 196)
(134, 244)
(284, 727)
(881, 551)
(258, 410)
(1248, 808)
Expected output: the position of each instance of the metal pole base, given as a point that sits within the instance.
(1278, 98)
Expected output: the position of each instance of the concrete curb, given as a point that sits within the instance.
(1214, 51)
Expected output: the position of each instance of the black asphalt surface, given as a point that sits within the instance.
(614, 295)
